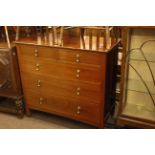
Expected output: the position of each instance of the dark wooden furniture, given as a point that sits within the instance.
(10, 84)
(137, 101)
(67, 81)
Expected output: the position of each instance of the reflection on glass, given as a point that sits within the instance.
(82, 37)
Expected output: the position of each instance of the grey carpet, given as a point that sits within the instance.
(39, 120)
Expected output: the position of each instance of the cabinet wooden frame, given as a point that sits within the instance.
(14, 90)
(124, 119)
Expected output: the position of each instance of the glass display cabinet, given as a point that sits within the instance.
(10, 86)
(137, 106)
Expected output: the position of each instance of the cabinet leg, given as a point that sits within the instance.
(20, 108)
(101, 126)
(28, 112)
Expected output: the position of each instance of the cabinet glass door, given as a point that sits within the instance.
(139, 92)
(7, 74)
(5, 69)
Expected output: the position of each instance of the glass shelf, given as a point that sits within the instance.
(137, 85)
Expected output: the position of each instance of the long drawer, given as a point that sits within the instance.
(63, 70)
(62, 54)
(56, 87)
(86, 112)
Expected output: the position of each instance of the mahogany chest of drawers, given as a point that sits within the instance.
(74, 83)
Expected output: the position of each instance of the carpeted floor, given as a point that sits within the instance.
(39, 120)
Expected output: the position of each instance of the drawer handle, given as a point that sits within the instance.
(78, 93)
(77, 55)
(78, 89)
(77, 60)
(78, 70)
(77, 75)
(39, 83)
(36, 54)
(78, 112)
(37, 67)
(78, 108)
(41, 100)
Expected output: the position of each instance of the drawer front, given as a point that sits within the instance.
(65, 71)
(61, 54)
(88, 112)
(56, 87)
(49, 104)
(85, 112)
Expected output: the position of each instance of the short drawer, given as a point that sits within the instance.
(56, 53)
(67, 88)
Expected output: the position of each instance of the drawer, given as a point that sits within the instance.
(49, 104)
(65, 88)
(85, 112)
(56, 53)
(61, 70)
(88, 112)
